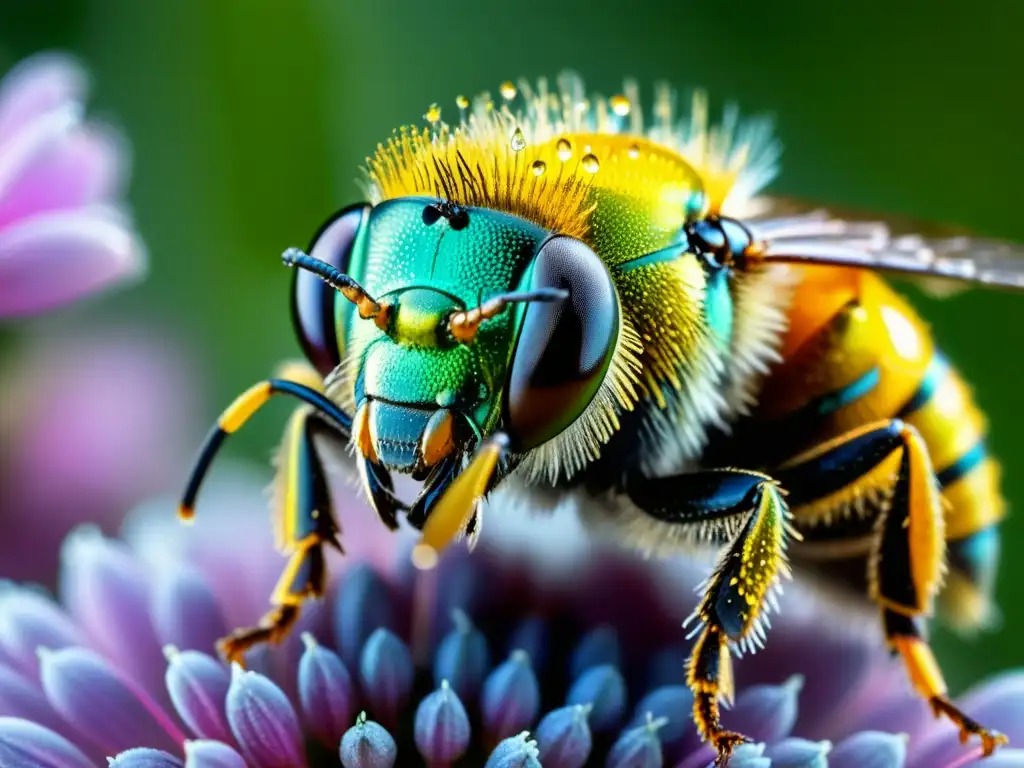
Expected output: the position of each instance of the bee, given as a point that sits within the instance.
(556, 297)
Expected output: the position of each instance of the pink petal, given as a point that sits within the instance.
(77, 168)
(37, 85)
(57, 258)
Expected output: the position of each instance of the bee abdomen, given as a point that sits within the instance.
(855, 353)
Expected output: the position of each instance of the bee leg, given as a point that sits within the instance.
(904, 635)
(303, 578)
(747, 507)
(241, 410)
(304, 524)
(887, 464)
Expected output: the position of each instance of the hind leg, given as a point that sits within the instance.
(886, 462)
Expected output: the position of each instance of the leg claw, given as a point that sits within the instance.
(233, 647)
(725, 743)
(990, 740)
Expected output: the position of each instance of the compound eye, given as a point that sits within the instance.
(313, 301)
(564, 347)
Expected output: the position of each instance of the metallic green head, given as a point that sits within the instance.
(439, 325)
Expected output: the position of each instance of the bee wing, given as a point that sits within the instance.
(941, 258)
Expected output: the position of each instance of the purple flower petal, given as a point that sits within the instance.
(367, 745)
(33, 144)
(31, 620)
(363, 604)
(903, 712)
(511, 697)
(36, 86)
(313, 624)
(325, 692)
(185, 612)
(667, 667)
(799, 753)
(21, 698)
(671, 703)
(563, 737)
(515, 752)
(598, 647)
(211, 754)
(1004, 758)
(834, 666)
(766, 712)
(604, 689)
(458, 586)
(198, 686)
(749, 756)
(86, 250)
(701, 757)
(386, 670)
(263, 721)
(106, 590)
(112, 713)
(145, 758)
(532, 637)
(997, 704)
(463, 659)
(28, 745)
(637, 747)
(442, 729)
(871, 749)
(80, 167)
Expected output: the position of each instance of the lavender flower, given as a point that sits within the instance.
(93, 420)
(496, 658)
(63, 234)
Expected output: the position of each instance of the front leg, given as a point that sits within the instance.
(304, 521)
(748, 509)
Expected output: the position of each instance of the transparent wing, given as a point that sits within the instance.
(942, 258)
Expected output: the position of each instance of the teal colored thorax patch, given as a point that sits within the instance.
(718, 306)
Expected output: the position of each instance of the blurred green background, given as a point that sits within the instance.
(249, 119)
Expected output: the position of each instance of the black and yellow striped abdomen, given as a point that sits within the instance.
(856, 353)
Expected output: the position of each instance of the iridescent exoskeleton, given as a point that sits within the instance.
(553, 297)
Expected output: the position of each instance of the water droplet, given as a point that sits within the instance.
(620, 105)
(539, 166)
(508, 90)
(518, 140)
(590, 163)
(633, 151)
(461, 102)
(433, 114)
(564, 149)
(582, 106)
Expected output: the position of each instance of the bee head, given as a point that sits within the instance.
(438, 325)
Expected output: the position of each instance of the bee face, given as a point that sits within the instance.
(531, 368)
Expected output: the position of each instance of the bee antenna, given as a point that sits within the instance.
(464, 324)
(369, 308)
